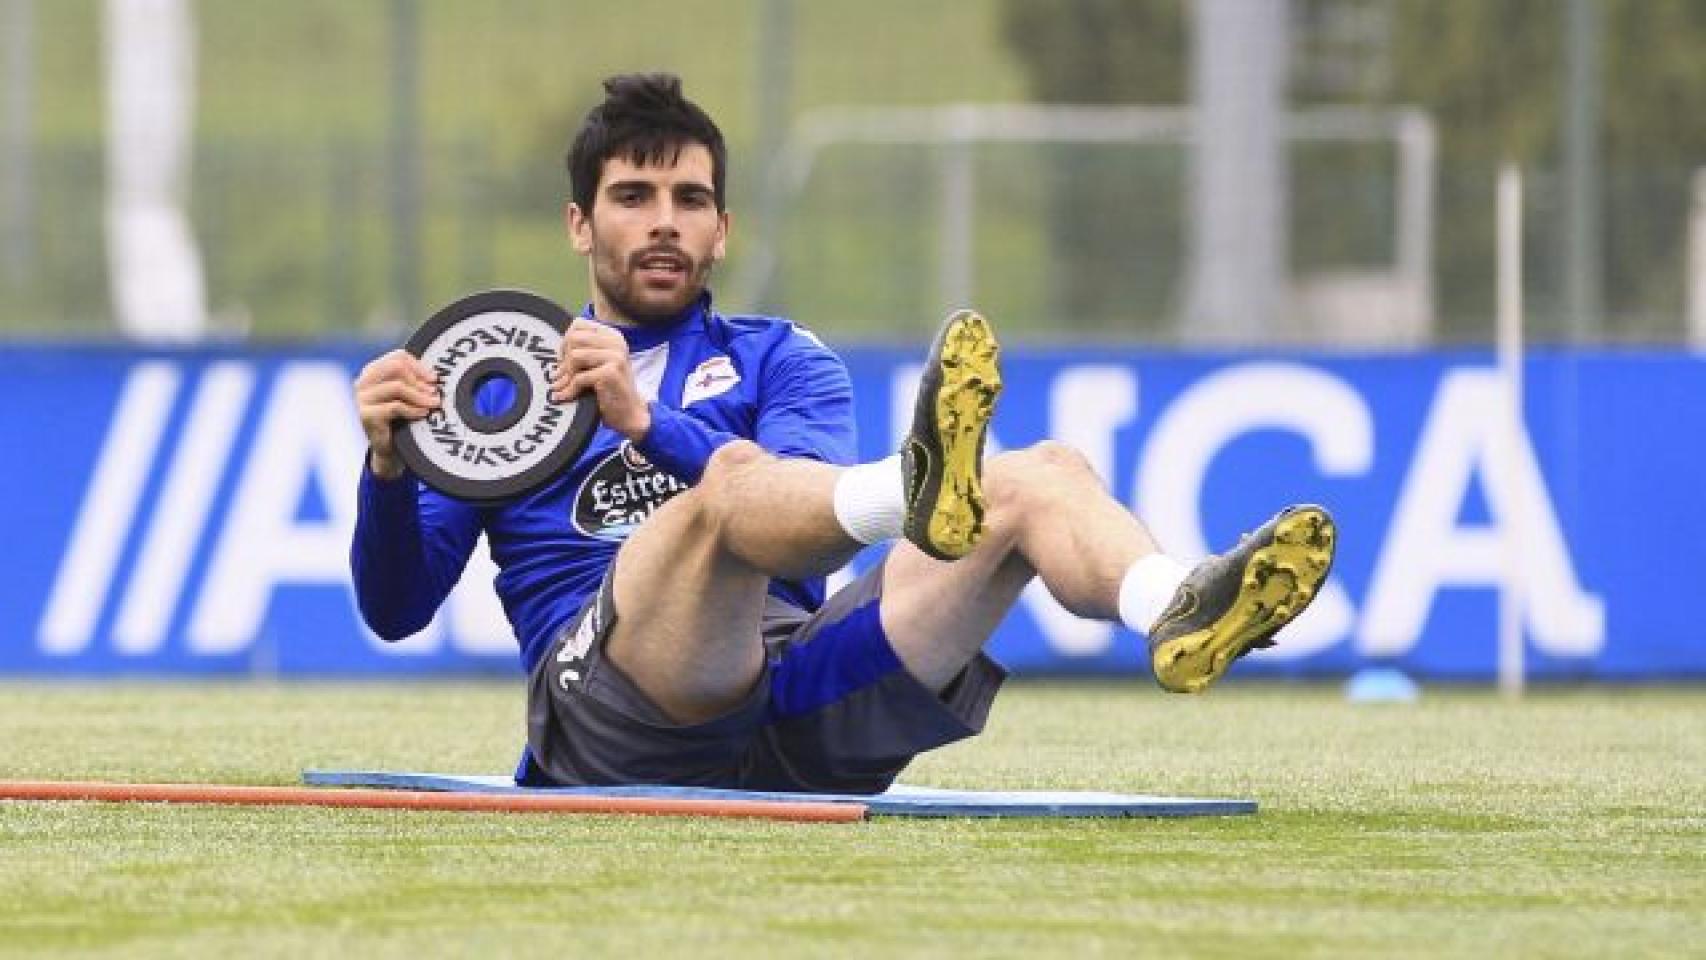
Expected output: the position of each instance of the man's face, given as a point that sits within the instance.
(652, 236)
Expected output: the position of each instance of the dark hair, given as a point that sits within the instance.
(644, 116)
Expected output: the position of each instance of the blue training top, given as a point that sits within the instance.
(710, 379)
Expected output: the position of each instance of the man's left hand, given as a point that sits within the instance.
(594, 359)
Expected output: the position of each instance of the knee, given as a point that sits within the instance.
(1061, 458)
(1037, 478)
(722, 475)
(731, 458)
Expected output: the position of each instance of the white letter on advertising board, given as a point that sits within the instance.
(307, 434)
(177, 520)
(1428, 550)
(109, 508)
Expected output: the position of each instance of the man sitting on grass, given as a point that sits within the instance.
(667, 589)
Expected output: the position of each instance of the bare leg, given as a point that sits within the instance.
(1049, 516)
(690, 582)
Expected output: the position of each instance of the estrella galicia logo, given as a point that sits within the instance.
(620, 493)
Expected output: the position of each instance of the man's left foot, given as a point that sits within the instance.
(942, 461)
(1235, 602)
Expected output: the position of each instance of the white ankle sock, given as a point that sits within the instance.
(870, 501)
(1148, 588)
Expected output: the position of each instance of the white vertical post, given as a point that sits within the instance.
(159, 292)
(1238, 268)
(1697, 261)
(1418, 159)
(1508, 267)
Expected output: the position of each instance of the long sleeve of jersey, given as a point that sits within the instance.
(714, 379)
(805, 410)
(409, 549)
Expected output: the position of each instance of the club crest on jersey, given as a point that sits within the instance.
(620, 493)
(709, 379)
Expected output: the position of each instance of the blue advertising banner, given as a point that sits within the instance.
(188, 512)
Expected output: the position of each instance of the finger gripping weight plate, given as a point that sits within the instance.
(497, 434)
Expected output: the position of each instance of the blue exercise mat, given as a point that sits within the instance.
(898, 801)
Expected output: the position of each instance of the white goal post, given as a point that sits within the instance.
(957, 128)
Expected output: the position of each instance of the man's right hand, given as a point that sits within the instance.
(395, 386)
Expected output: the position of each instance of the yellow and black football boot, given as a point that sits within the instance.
(1235, 602)
(942, 461)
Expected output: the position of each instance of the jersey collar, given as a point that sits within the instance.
(646, 337)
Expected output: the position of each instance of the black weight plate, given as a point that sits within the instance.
(470, 454)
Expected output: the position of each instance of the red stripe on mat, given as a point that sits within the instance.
(424, 800)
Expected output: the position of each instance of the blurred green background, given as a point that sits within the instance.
(357, 162)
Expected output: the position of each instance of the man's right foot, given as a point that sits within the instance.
(1235, 602)
(942, 461)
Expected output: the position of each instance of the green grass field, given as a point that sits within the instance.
(1572, 823)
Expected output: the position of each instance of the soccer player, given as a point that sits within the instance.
(667, 590)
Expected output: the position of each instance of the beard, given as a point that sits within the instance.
(618, 283)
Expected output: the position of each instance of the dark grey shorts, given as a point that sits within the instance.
(833, 712)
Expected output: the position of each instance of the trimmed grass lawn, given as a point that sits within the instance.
(1571, 823)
